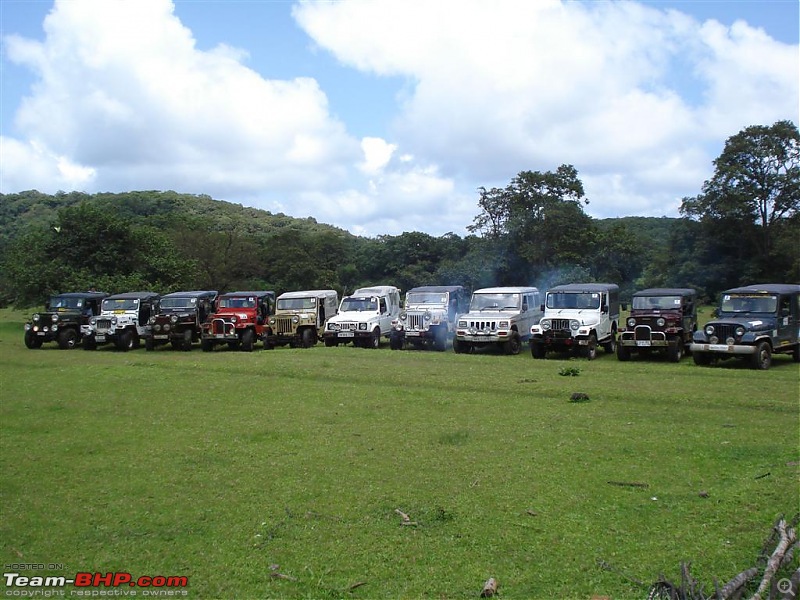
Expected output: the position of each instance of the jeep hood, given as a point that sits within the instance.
(751, 323)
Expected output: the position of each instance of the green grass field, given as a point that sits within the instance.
(280, 474)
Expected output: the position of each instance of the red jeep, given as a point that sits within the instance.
(241, 318)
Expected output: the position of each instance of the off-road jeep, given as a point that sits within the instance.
(240, 320)
(661, 319)
(178, 319)
(364, 317)
(122, 320)
(498, 316)
(752, 322)
(300, 318)
(62, 319)
(577, 318)
(429, 317)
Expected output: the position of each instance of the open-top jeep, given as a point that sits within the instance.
(123, 320)
(61, 321)
(300, 318)
(429, 317)
(239, 321)
(364, 317)
(661, 319)
(498, 316)
(752, 322)
(178, 319)
(577, 318)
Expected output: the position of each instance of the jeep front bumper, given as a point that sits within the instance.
(723, 348)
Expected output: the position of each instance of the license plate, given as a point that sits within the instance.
(643, 343)
(219, 335)
(346, 334)
(412, 333)
(40, 333)
(100, 338)
(583, 342)
(719, 347)
(160, 337)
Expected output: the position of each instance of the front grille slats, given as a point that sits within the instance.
(560, 324)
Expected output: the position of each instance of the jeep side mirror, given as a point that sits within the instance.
(541, 307)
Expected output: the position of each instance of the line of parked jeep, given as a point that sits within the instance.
(752, 322)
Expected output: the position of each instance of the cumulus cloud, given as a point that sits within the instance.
(640, 100)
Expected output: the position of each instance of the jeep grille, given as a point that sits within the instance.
(642, 332)
(416, 321)
(483, 325)
(559, 323)
(283, 325)
(103, 323)
(723, 332)
(348, 326)
(221, 326)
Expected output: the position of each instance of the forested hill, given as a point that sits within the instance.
(18, 212)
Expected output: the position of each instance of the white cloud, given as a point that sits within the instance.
(377, 153)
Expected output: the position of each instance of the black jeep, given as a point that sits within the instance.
(661, 319)
(752, 322)
(178, 319)
(61, 321)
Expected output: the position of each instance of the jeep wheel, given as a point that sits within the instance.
(89, 343)
(513, 345)
(675, 352)
(67, 339)
(762, 358)
(330, 342)
(623, 353)
(591, 349)
(458, 347)
(396, 341)
(308, 338)
(248, 340)
(125, 341)
(374, 340)
(188, 338)
(701, 358)
(611, 345)
(32, 341)
(206, 345)
(440, 339)
(149, 344)
(538, 350)
(233, 345)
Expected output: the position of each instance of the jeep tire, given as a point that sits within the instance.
(440, 339)
(187, 340)
(396, 341)
(701, 358)
(611, 345)
(206, 345)
(591, 349)
(126, 341)
(513, 345)
(89, 343)
(538, 350)
(308, 338)
(623, 353)
(675, 351)
(32, 341)
(374, 339)
(762, 357)
(248, 340)
(67, 338)
(330, 342)
(149, 343)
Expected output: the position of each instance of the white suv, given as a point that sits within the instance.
(364, 317)
(498, 316)
(123, 320)
(577, 318)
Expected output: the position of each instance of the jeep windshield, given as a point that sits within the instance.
(297, 303)
(61, 303)
(656, 302)
(426, 298)
(749, 303)
(352, 304)
(494, 302)
(573, 300)
(116, 304)
(237, 302)
(173, 303)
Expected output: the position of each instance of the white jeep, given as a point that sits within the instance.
(123, 320)
(498, 316)
(577, 318)
(364, 317)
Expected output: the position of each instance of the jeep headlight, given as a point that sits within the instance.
(709, 330)
(574, 325)
(427, 315)
(631, 322)
(167, 327)
(362, 326)
(661, 322)
(151, 321)
(113, 320)
(36, 317)
(333, 327)
(546, 325)
(173, 319)
(234, 319)
(54, 318)
(503, 324)
(93, 321)
(403, 316)
(739, 331)
(462, 323)
(295, 319)
(272, 320)
(156, 327)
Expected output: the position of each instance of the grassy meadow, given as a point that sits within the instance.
(280, 474)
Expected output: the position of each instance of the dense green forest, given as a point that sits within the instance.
(743, 227)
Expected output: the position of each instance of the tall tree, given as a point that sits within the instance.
(754, 192)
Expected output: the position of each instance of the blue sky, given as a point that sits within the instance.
(384, 116)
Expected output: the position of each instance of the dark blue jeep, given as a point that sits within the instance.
(752, 322)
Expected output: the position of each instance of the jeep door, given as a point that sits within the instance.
(385, 318)
(787, 319)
